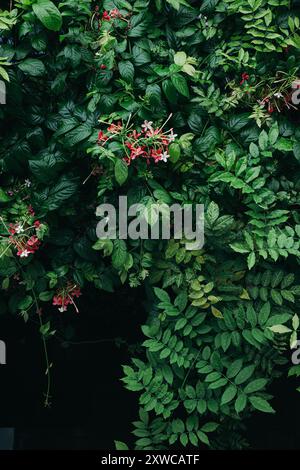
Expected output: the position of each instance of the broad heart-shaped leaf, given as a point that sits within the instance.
(121, 172)
(48, 14)
(126, 70)
(33, 67)
(261, 404)
(180, 84)
(170, 91)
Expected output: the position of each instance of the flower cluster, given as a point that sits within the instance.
(24, 237)
(148, 142)
(115, 13)
(65, 296)
(266, 102)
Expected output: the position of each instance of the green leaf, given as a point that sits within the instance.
(119, 254)
(162, 295)
(120, 445)
(203, 437)
(180, 84)
(234, 368)
(170, 91)
(121, 172)
(244, 374)
(48, 14)
(3, 196)
(174, 152)
(281, 329)
(209, 427)
(228, 394)
(263, 140)
(33, 67)
(255, 385)
(212, 212)
(261, 404)
(126, 70)
(180, 58)
(296, 150)
(240, 402)
(251, 260)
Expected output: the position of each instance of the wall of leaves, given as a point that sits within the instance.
(217, 81)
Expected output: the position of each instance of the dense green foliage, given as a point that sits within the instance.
(220, 73)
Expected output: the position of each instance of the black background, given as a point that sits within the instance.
(90, 407)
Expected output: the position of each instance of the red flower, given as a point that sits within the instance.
(102, 137)
(156, 155)
(137, 152)
(105, 16)
(37, 224)
(30, 210)
(129, 145)
(245, 77)
(65, 296)
(12, 229)
(102, 67)
(135, 135)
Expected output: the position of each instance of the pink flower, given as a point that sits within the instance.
(102, 137)
(115, 128)
(172, 136)
(137, 152)
(115, 13)
(23, 253)
(30, 210)
(147, 126)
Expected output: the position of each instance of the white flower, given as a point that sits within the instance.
(63, 308)
(19, 228)
(24, 254)
(172, 136)
(278, 95)
(164, 157)
(27, 183)
(147, 126)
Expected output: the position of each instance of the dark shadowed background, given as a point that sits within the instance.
(90, 407)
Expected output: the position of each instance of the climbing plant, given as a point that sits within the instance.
(165, 101)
